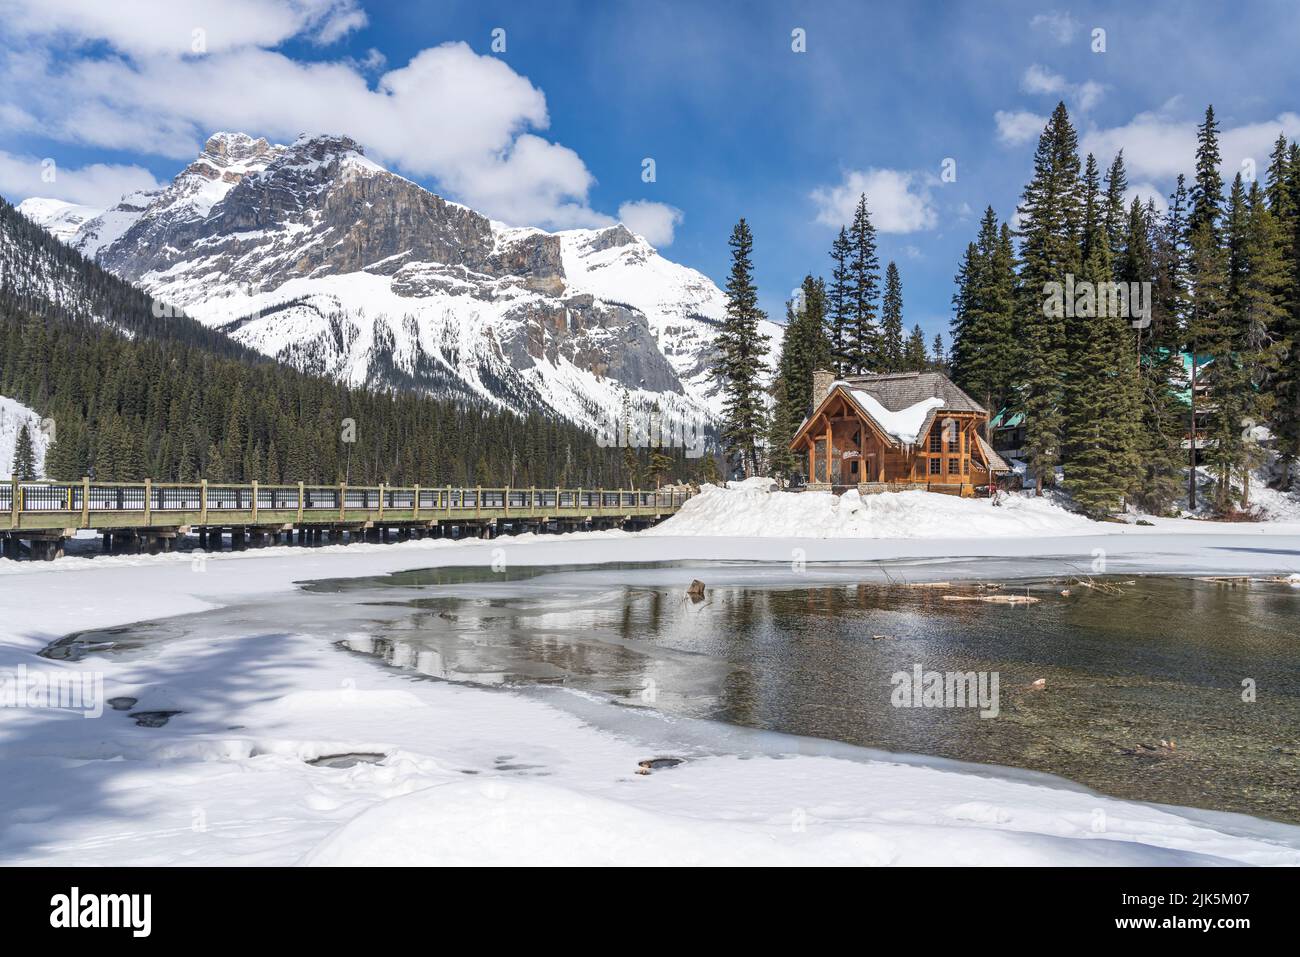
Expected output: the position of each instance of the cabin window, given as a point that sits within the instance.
(936, 466)
(853, 468)
(954, 442)
(954, 466)
(936, 439)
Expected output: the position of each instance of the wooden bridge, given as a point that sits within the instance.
(149, 516)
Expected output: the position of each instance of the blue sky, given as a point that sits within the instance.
(553, 130)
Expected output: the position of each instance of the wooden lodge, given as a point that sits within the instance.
(896, 431)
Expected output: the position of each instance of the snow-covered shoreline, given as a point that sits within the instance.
(474, 775)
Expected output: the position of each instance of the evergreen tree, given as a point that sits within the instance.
(1257, 305)
(939, 357)
(1283, 193)
(711, 474)
(1209, 331)
(914, 356)
(1207, 190)
(1100, 428)
(1116, 211)
(838, 302)
(1157, 250)
(804, 348)
(983, 349)
(1050, 223)
(862, 342)
(24, 456)
(660, 465)
(891, 320)
(741, 348)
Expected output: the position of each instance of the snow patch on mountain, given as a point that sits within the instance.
(13, 416)
(60, 218)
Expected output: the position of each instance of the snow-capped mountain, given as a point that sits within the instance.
(316, 255)
(61, 218)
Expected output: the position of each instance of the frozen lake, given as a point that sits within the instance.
(1143, 661)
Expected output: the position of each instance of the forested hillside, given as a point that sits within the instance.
(136, 395)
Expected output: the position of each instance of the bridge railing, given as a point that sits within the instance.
(212, 500)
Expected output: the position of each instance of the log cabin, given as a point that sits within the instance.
(896, 431)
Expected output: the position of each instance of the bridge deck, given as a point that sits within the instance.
(61, 507)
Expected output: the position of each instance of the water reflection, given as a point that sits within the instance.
(1162, 660)
(1158, 659)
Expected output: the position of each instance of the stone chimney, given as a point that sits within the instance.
(821, 386)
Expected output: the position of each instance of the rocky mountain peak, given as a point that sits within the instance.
(610, 237)
(225, 149)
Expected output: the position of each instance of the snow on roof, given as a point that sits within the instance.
(905, 424)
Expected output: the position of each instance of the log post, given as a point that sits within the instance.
(85, 501)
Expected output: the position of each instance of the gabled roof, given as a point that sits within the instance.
(898, 390)
(918, 398)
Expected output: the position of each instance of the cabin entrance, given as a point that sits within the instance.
(851, 469)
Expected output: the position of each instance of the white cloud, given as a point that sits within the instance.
(1146, 191)
(1018, 127)
(468, 122)
(654, 222)
(1039, 79)
(1060, 27)
(141, 27)
(99, 184)
(1088, 94)
(898, 200)
(1042, 81)
(1158, 147)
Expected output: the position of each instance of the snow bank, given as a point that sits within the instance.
(513, 822)
(749, 509)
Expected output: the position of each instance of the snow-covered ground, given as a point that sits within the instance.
(750, 508)
(492, 776)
